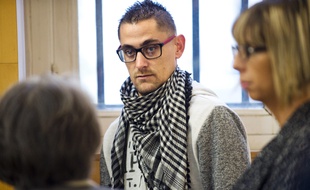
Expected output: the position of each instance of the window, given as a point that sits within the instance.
(206, 26)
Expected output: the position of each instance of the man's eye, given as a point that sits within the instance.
(151, 49)
(129, 52)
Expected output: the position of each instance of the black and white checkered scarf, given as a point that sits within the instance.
(159, 123)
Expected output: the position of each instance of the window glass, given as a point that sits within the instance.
(87, 46)
(216, 71)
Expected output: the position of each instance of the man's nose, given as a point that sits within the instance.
(141, 61)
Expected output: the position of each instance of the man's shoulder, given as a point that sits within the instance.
(110, 134)
(202, 95)
(112, 127)
(203, 100)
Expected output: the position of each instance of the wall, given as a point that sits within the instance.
(260, 126)
(51, 36)
(8, 51)
(8, 45)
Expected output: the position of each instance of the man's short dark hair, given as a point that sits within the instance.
(148, 9)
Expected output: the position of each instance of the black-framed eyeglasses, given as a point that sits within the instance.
(245, 51)
(128, 54)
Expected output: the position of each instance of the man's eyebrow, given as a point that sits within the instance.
(146, 42)
(149, 41)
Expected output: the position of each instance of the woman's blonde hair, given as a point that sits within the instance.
(283, 27)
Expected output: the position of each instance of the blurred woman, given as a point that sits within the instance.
(273, 58)
(49, 134)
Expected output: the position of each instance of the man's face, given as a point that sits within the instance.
(148, 75)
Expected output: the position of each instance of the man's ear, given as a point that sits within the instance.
(180, 45)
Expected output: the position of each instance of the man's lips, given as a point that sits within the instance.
(143, 76)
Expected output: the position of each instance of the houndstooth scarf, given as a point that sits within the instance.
(159, 124)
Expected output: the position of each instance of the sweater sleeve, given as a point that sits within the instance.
(223, 152)
(104, 174)
(105, 154)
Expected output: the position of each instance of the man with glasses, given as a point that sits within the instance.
(172, 133)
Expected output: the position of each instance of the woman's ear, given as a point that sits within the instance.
(180, 45)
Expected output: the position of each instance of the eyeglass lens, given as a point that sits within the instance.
(246, 51)
(152, 51)
(129, 54)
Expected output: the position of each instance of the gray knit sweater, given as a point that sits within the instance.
(284, 164)
(218, 151)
